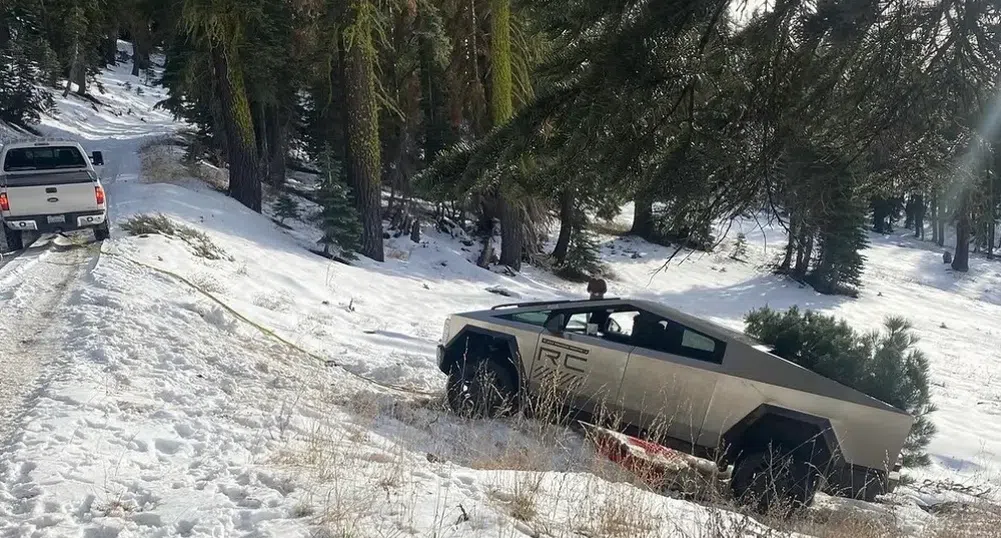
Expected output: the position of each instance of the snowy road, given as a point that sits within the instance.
(33, 289)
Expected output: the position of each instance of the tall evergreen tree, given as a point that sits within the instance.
(364, 153)
(220, 27)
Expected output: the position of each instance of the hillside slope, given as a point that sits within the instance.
(266, 391)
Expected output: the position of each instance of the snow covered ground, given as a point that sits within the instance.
(271, 392)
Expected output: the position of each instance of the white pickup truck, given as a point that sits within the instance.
(50, 186)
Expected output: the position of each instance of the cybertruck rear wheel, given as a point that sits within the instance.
(773, 481)
(481, 389)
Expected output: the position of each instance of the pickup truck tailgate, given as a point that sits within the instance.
(50, 194)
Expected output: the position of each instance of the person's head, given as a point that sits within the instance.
(597, 288)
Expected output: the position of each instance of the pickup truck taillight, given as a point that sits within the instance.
(99, 192)
(4, 203)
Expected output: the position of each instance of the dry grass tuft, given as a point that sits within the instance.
(207, 282)
(118, 508)
(608, 227)
(160, 162)
(160, 224)
(272, 301)
(521, 500)
(974, 520)
(618, 517)
(215, 177)
(849, 521)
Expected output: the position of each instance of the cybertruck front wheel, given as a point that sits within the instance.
(481, 389)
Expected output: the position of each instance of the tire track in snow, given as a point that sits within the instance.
(31, 300)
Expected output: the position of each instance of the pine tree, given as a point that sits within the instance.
(364, 155)
(842, 237)
(582, 259)
(338, 218)
(21, 98)
(739, 248)
(501, 109)
(219, 29)
(285, 207)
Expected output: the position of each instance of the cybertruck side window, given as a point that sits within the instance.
(699, 342)
(666, 336)
(537, 318)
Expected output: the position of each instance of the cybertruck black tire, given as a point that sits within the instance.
(481, 389)
(772, 481)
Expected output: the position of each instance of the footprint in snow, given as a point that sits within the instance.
(167, 446)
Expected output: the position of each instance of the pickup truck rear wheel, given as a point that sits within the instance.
(15, 241)
(102, 232)
(774, 482)
(481, 389)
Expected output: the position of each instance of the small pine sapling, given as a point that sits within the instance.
(583, 259)
(338, 218)
(739, 248)
(285, 207)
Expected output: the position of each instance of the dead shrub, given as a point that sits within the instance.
(272, 301)
(217, 178)
(160, 224)
(207, 282)
(849, 521)
(159, 162)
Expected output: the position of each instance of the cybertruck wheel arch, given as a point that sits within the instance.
(474, 339)
(791, 428)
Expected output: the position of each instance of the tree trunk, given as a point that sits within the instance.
(433, 92)
(642, 216)
(74, 66)
(961, 258)
(805, 253)
(566, 225)
(786, 264)
(244, 167)
(415, 231)
(919, 216)
(4, 35)
(992, 205)
(363, 159)
(511, 234)
(942, 210)
(81, 80)
(991, 236)
(136, 68)
(934, 216)
(277, 144)
(501, 102)
(261, 135)
(109, 47)
(501, 110)
(140, 54)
